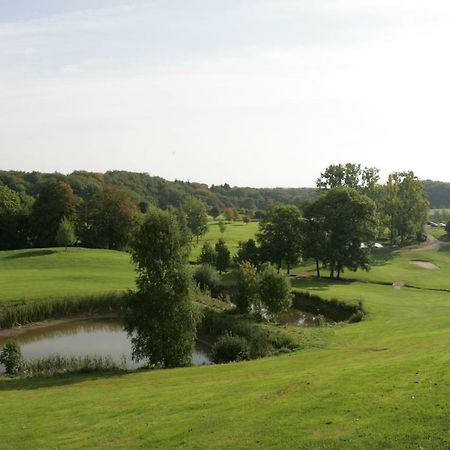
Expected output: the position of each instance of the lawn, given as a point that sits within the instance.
(383, 383)
(35, 274)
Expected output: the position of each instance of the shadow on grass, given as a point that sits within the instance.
(32, 253)
(43, 382)
(317, 284)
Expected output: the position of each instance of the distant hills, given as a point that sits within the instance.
(163, 193)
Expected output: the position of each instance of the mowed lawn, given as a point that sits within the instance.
(36, 274)
(383, 383)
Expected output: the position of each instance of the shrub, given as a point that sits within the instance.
(208, 255)
(223, 259)
(356, 317)
(11, 357)
(207, 279)
(274, 291)
(247, 288)
(230, 348)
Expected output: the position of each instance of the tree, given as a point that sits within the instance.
(112, 217)
(208, 255)
(65, 236)
(346, 220)
(231, 214)
(447, 228)
(13, 220)
(405, 206)
(280, 236)
(274, 290)
(348, 175)
(214, 212)
(197, 217)
(11, 357)
(248, 251)
(55, 201)
(247, 288)
(222, 226)
(223, 258)
(314, 242)
(160, 316)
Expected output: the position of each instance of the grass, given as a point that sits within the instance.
(234, 232)
(38, 274)
(382, 383)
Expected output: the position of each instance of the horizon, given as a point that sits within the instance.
(262, 94)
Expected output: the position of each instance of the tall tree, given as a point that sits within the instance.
(160, 316)
(347, 221)
(223, 256)
(55, 201)
(280, 236)
(112, 217)
(197, 216)
(405, 206)
(65, 236)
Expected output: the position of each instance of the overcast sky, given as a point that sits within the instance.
(250, 92)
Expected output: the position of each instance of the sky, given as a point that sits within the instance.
(259, 93)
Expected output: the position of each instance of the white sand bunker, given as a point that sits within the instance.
(425, 264)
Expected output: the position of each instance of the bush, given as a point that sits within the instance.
(11, 358)
(208, 255)
(207, 279)
(230, 348)
(274, 291)
(247, 288)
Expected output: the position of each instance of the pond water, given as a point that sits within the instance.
(94, 337)
(304, 319)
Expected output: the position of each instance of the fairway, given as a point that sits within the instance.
(381, 383)
(36, 274)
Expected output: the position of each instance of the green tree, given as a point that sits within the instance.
(11, 357)
(348, 225)
(160, 316)
(112, 217)
(223, 258)
(274, 290)
(447, 228)
(247, 288)
(348, 175)
(55, 201)
(208, 255)
(197, 217)
(248, 251)
(222, 226)
(280, 236)
(65, 236)
(405, 207)
(231, 214)
(214, 212)
(9, 201)
(13, 220)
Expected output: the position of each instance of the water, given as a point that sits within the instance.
(99, 337)
(296, 317)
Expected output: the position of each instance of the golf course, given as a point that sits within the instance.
(381, 383)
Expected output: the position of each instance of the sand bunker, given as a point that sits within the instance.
(425, 264)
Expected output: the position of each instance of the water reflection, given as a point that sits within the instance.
(100, 337)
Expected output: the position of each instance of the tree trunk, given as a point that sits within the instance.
(317, 268)
(288, 269)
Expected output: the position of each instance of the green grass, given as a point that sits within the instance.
(383, 383)
(37, 274)
(234, 232)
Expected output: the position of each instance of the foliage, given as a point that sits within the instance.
(246, 295)
(13, 224)
(223, 258)
(55, 201)
(405, 206)
(344, 219)
(349, 175)
(65, 236)
(280, 236)
(112, 216)
(230, 348)
(57, 364)
(160, 316)
(208, 254)
(447, 228)
(9, 201)
(222, 226)
(11, 357)
(207, 279)
(231, 214)
(197, 217)
(248, 251)
(27, 312)
(274, 291)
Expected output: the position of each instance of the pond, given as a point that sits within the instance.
(93, 337)
(300, 318)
